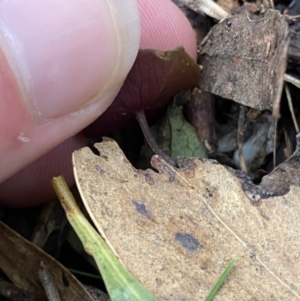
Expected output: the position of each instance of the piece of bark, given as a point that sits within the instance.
(244, 59)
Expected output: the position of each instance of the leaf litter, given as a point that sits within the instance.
(178, 235)
(21, 261)
(176, 230)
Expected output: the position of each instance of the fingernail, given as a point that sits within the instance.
(68, 53)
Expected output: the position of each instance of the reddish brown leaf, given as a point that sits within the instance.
(154, 79)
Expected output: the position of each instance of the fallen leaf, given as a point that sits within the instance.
(120, 284)
(154, 79)
(20, 261)
(245, 57)
(278, 182)
(176, 230)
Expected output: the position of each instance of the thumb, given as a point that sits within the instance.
(61, 64)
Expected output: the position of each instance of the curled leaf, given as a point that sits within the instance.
(154, 79)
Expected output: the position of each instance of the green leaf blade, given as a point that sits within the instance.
(120, 284)
(220, 280)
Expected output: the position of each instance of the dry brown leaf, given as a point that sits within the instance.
(278, 182)
(20, 261)
(244, 59)
(177, 230)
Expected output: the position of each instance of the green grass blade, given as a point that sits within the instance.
(220, 280)
(120, 284)
(77, 272)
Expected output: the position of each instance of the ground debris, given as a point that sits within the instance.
(244, 59)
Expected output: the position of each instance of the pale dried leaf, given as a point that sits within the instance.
(177, 230)
(209, 7)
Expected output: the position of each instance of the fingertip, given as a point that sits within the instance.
(67, 50)
(31, 186)
(165, 27)
(61, 64)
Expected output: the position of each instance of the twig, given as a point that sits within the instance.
(43, 229)
(290, 102)
(48, 283)
(290, 79)
(240, 137)
(275, 141)
(290, 17)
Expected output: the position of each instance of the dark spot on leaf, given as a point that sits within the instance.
(188, 241)
(141, 208)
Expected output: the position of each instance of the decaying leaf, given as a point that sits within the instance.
(278, 182)
(244, 59)
(176, 230)
(20, 260)
(153, 80)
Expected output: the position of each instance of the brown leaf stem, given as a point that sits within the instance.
(141, 118)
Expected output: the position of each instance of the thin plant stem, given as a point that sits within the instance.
(241, 122)
(48, 283)
(290, 103)
(141, 118)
